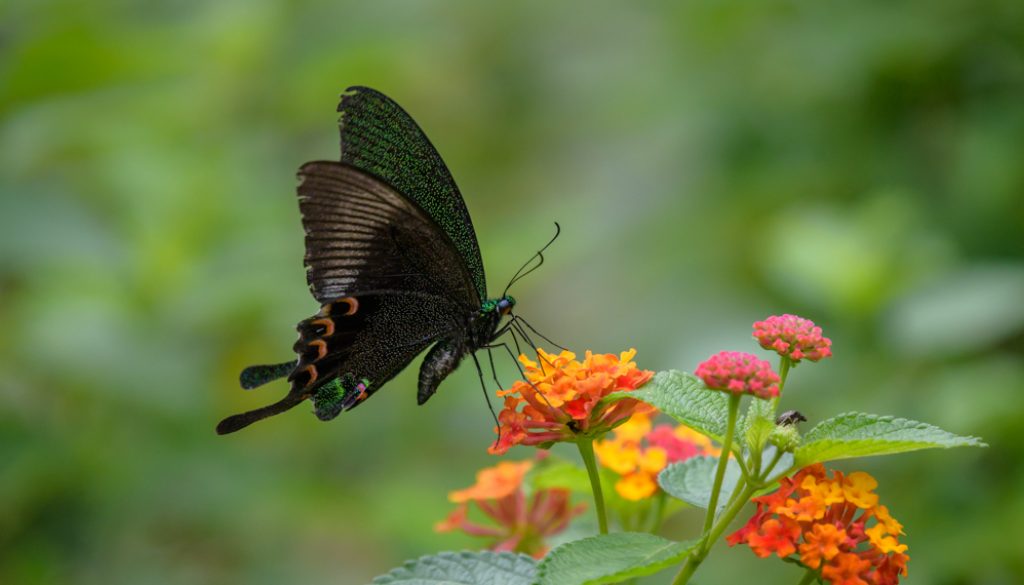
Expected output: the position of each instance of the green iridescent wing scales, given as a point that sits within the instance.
(379, 137)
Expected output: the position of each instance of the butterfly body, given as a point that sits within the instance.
(392, 258)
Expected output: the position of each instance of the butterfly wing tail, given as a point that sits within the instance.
(240, 421)
(256, 376)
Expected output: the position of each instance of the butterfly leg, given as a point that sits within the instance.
(522, 374)
(483, 385)
(494, 371)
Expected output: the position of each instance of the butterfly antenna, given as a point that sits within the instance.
(539, 256)
(538, 333)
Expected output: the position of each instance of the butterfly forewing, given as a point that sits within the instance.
(362, 235)
(379, 137)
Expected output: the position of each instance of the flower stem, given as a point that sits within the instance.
(659, 512)
(698, 556)
(723, 461)
(586, 447)
(784, 363)
(809, 577)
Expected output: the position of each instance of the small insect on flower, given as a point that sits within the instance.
(793, 337)
(737, 372)
(562, 398)
(638, 453)
(520, 522)
(825, 520)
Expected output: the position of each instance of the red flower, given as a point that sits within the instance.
(793, 337)
(825, 519)
(521, 523)
(739, 373)
(561, 398)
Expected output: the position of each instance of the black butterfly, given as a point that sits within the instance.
(392, 258)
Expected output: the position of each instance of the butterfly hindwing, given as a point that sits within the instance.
(356, 344)
(379, 137)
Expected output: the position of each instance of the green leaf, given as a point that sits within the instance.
(610, 558)
(464, 568)
(856, 434)
(691, 480)
(685, 398)
(757, 425)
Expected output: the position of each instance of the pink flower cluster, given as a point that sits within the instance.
(739, 373)
(793, 337)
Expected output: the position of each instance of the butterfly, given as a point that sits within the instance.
(393, 260)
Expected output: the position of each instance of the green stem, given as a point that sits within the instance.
(773, 463)
(723, 461)
(698, 556)
(784, 363)
(659, 512)
(586, 447)
(809, 577)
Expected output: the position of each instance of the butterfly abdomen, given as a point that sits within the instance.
(441, 360)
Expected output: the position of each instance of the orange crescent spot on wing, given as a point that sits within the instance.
(321, 348)
(311, 369)
(327, 324)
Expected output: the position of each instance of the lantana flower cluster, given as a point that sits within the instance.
(520, 522)
(738, 372)
(824, 520)
(638, 453)
(561, 398)
(793, 337)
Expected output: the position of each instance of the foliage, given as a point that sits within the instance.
(466, 568)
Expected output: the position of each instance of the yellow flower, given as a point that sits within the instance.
(881, 540)
(636, 486)
(858, 488)
(619, 456)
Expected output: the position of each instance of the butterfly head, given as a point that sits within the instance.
(501, 307)
(505, 305)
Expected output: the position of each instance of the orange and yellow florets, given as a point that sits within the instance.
(561, 398)
(824, 519)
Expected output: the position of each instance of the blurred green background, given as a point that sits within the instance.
(710, 163)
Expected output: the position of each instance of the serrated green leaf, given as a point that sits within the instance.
(691, 480)
(685, 398)
(856, 434)
(464, 568)
(610, 558)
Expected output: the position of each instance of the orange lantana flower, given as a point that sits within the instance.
(638, 453)
(827, 518)
(520, 523)
(561, 398)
